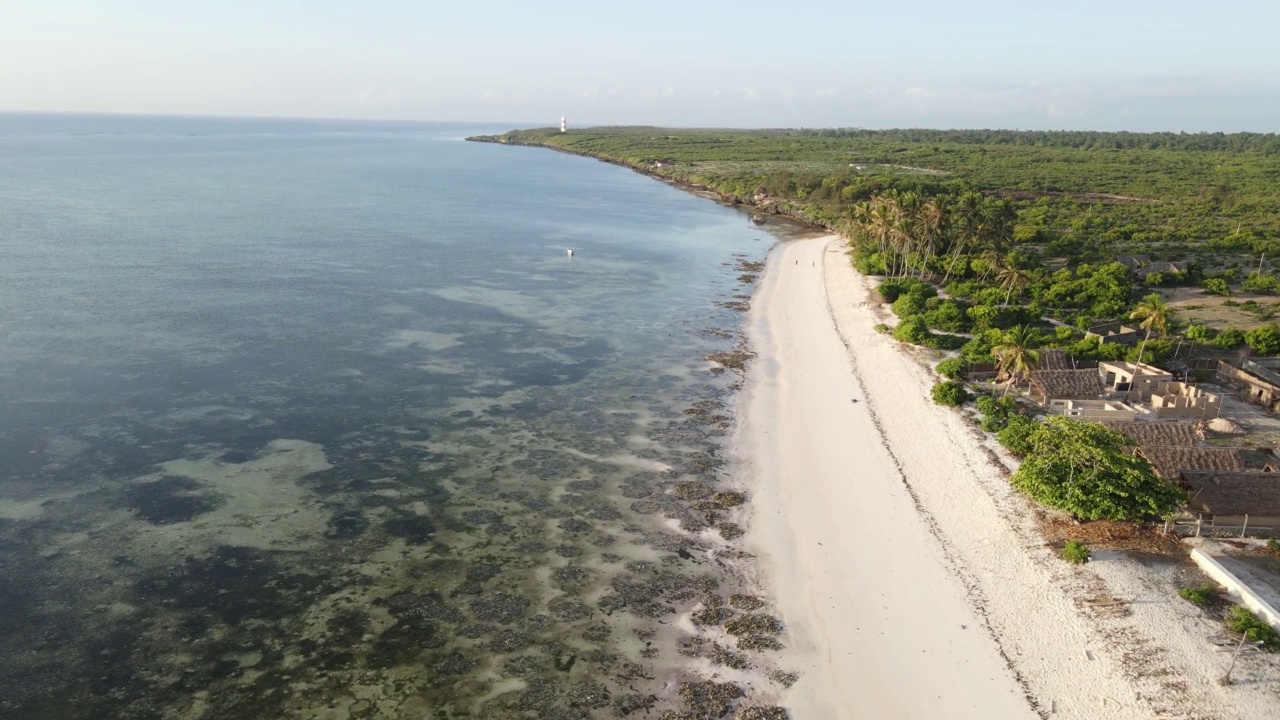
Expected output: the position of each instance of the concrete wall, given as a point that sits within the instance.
(1236, 588)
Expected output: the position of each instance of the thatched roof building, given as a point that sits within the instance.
(1170, 462)
(1229, 497)
(1157, 434)
(1049, 385)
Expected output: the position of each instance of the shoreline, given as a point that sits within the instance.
(1040, 634)
(899, 515)
(880, 625)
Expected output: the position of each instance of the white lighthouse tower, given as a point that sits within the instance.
(564, 126)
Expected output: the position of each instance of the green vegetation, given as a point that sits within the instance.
(1076, 552)
(1020, 229)
(953, 368)
(1086, 470)
(1202, 595)
(1240, 620)
(950, 393)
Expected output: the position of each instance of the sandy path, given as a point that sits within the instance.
(885, 629)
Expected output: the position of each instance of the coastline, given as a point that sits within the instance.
(880, 625)
(1107, 640)
(885, 525)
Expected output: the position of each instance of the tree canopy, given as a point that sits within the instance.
(1086, 470)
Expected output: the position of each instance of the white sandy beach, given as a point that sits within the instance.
(910, 576)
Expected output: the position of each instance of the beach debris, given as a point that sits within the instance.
(730, 659)
(770, 712)
(709, 698)
(784, 678)
(730, 531)
(755, 624)
(759, 643)
(693, 490)
(712, 616)
(728, 498)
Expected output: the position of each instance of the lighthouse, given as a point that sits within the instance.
(564, 126)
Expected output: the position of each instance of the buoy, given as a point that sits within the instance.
(570, 251)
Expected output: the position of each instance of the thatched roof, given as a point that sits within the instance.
(1054, 359)
(1156, 434)
(1168, 462)
(1067, 384)
(1243, 493)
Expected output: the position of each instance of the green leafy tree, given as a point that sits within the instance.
(1264, 340)
(1154, 314)
(1086, 470)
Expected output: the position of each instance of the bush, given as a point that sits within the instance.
(1014, 437)
(1240, 620)
(1201, 332)
(942, 341)
(911, 330)
(908, 306)
(1216, 286)
(1264, 340)
(950, 393)
(948, 316)
(883, 329)
(1075, 552)
(891, 290)
(1229, 339)
(1260, 283)
(953, 368)
(1201, 595)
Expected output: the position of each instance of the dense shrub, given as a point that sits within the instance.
(1201, 595)
(1260, 283)
(1240, 620)
(1264, 340)
(1229, 339)
(1076, 552)
(950, 393)
(942, 341)
(912, 330)
(947, 315)
(891, 290)
(1216, 286)
(1201, 332)
(908, 305)
(1014, 436)
(953, 368)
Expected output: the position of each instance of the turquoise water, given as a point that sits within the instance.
(320, 420)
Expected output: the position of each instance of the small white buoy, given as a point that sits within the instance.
(570, 251)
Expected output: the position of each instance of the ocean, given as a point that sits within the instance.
(321, 419)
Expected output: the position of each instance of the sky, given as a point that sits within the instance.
(1085, 64)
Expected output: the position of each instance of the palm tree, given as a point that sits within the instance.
(1153, 311)
(966, 219)
(1012, 277)
(1016, 355)
(931, 226)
